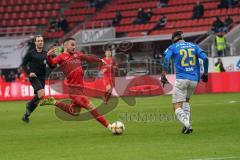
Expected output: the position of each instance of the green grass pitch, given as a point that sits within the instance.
(215, 120)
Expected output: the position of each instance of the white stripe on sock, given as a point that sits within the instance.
(182, 117)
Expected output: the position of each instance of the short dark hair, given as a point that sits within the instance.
(35, 38)
(176, 36)
(69, 39)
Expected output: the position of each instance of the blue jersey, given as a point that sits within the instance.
(186, 60)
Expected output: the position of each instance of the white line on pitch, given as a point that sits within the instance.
(218, 158)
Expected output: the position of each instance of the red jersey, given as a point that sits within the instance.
(108, 68)
(71, 65)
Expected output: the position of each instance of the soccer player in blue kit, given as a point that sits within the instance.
(186, 61)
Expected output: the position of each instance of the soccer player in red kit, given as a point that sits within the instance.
(108, 74)
(70, 63)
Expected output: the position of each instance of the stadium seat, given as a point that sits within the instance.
(37, 14)
(22, 15)
(43, 21)
(19, 22)
(40, 7)
(34, 1)
(27, 22)
(17, 8)
(29, 15)
(35, 21)
(3, 23)
(53, 14)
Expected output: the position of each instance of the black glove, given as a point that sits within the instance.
(164, 80)
(204, 78)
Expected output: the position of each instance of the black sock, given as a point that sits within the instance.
(32, 105)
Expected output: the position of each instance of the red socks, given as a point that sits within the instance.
(65, 107)
(100, 118)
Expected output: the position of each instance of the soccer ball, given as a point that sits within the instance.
(117, 128)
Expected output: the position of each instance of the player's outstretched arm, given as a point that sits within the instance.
(50, 59)
(90, 58)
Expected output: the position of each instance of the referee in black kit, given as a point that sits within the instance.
(34, 64)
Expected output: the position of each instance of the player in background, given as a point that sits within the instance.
(34, 64)
(70, 63)
(108, 74)
(186, 61)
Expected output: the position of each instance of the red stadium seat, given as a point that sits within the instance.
(34, 1)
(43, 21)
(35, 21)
(44, 1)
(45, 14)
(9, 9)
(32, 7)
(14, 15)
(53, 14)
(17, 8)
(48, 6)
(38, 14)
(1, 9)
(19, 22)
(27, 1)
(4, 23)
(11, 23)
(41, 7)
(6, 16)
(3, 3)
(25, 8)
(29, 15)
(27, 22)
(18, 2)
(56, 6)
(22, 15)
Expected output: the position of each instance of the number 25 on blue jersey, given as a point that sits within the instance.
(188, 54)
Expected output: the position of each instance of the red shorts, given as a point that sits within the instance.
(109, 81)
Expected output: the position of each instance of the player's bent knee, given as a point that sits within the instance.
(90, 107)
(82, 101)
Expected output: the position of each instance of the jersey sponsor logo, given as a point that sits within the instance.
(189, 69)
